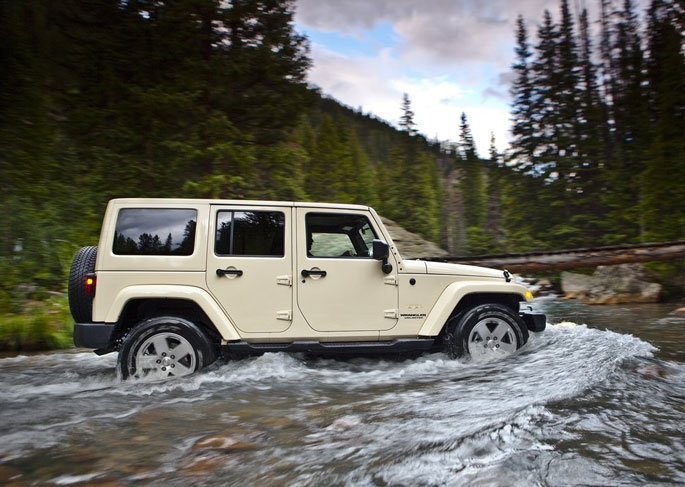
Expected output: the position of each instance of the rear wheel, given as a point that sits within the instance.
(485, 331)
(164, 347)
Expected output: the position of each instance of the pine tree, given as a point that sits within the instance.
(262, 62)
(627, 129)
(545, 105)
(407, 119)
(567, 95)
(467, 147)
(493, 182)
(473, 191)
(523, 143)
(394, 185)
(629, 107)
(361, 178)
(587, 183)
(423, 200)
(328, 154)
(663, 182)
(283, 168)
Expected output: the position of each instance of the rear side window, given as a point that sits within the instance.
(250, 233)
(155, 231)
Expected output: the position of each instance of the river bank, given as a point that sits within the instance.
(41, 325)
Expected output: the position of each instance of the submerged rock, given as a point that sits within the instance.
(678, 312)
(223, 443)
(624, 283)
(7, 474)
(651, 371)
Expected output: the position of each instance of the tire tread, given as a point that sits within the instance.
(80, 303)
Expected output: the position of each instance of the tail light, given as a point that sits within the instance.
(91, 281)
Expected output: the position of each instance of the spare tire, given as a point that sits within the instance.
(81, 302)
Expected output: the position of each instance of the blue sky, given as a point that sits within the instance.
(450, 56)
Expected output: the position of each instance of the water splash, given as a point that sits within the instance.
(356, 422)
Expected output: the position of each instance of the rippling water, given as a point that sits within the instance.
(601, 403)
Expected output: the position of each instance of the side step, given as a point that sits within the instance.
(393, 346)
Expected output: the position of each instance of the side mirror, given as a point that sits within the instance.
(381, 251)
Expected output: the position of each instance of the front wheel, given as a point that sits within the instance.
(485, 331)
(164, 347)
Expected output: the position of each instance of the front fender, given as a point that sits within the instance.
(453, 293)
(201, 297)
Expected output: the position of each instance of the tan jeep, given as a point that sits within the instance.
(175, 283)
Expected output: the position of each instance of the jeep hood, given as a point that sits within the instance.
(441, 268)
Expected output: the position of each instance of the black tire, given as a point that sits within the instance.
(81, 303)
(489, 318)
(174, 332)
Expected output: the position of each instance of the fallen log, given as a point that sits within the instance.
(575, 258)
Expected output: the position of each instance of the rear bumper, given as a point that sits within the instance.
(535, 322)
(93, 335)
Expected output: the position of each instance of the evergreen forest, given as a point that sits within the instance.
(203, 98)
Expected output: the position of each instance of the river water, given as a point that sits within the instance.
(600, 403)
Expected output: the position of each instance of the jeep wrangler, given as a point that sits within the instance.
(176, 283)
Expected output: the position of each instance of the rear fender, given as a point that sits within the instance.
(201, 297)
(450, 297)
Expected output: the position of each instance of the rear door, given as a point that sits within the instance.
(249, 266)
(341, 287)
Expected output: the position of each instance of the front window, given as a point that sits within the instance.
(339, 235)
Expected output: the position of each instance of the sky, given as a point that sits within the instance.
(449, 56)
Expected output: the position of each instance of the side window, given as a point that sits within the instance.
(155, 231)
(250, 233)
(339, 235)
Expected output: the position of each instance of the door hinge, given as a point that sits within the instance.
(284, 280)
(390, 280)
(391, 314)
(285, 315)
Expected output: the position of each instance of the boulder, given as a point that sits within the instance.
(542, 287)
(624, 283)
(410, 245)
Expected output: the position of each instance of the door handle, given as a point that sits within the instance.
(307, 273)
(232, 272)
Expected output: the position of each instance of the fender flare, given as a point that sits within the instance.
(199, 296)
(451, 296)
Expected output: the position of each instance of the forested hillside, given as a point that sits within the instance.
(599, 129)
(201, 98)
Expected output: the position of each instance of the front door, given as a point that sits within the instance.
(341, 287)
(249, 266)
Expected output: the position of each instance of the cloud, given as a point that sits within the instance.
(376, 84)
(359, 81)
(491, 92)
(448, 55)
(446, 32)
(501, 87)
